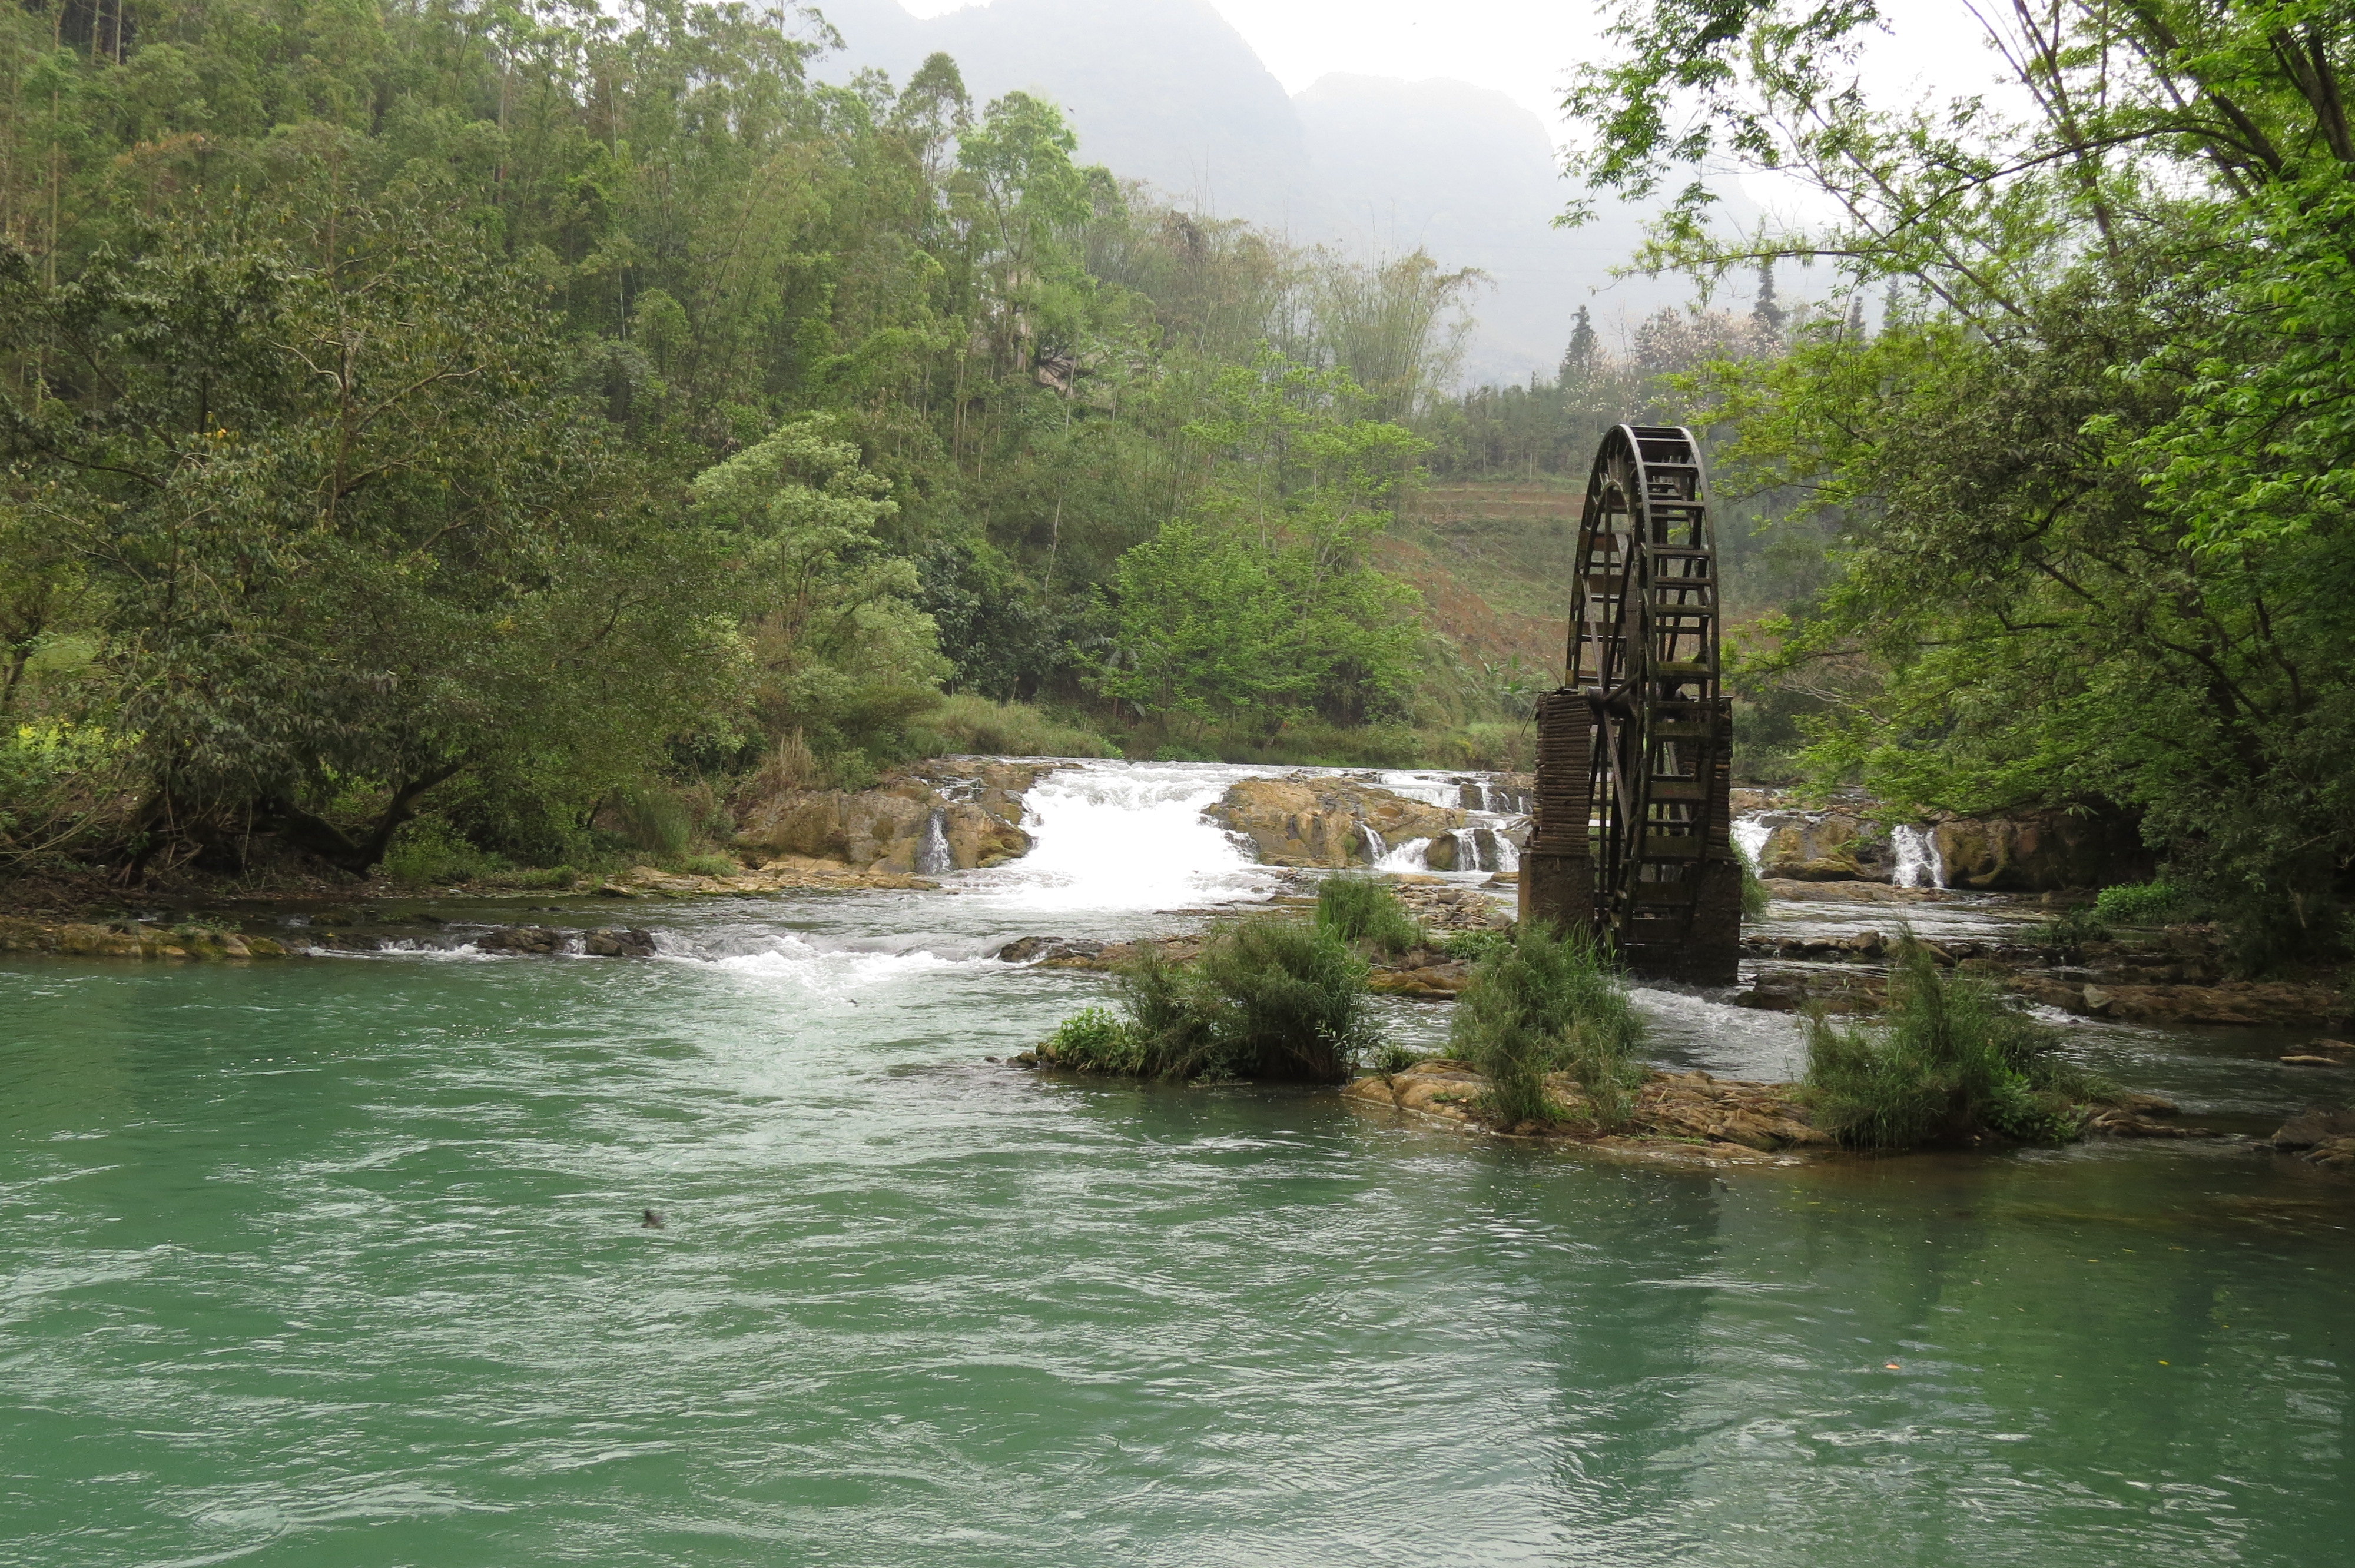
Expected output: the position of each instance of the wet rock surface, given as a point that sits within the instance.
(951, 814)
(1307, 820)
(134, 939)
(2026, 852)
(1689, 1117)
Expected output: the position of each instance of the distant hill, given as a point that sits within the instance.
(1166, 91)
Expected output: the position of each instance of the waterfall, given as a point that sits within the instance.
(1749, 836)
(1409, 856)
(934, 856)
(1375, 848)
(1509, 854)
(1124, 836)
(1467, 851)
(1918, 863)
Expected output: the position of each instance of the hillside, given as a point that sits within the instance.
(1492, 559)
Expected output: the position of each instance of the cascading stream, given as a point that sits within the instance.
(1919, 864)
(1125, 836)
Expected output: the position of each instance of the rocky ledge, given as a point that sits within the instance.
(2320, 1137)
(2173, 979)
(1309, 820)
(2027, 852)
(787, 874)
(1697, 1118)
(134, 939)
(1686, 1117)
(950, 814)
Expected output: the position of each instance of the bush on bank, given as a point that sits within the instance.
(1361, 910)
(1268, 999)
(1949, 1062)
(1545, 1003)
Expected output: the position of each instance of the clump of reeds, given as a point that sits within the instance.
(1549, 1002)
(1360, 909)
(1268, 999)
(1950, 1062)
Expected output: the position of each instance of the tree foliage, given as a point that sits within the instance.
(494, 412)
(2089, 474)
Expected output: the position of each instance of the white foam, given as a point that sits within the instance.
(1750, 835)
(831, 972)
(1127, 836)
(1919, 864)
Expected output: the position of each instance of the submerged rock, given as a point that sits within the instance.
(2313, 1128)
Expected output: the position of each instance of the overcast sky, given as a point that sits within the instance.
(1525, 48)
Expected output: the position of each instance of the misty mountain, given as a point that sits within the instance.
(1166, 91)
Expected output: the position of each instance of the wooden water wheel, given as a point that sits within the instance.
(1631, 837)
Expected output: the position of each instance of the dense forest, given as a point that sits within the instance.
(509, 412)
(459, 430)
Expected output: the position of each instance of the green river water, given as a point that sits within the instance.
(338, 1262)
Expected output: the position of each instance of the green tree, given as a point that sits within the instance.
(349, 547)
(841, 648)
(2091, 485)
(1262, 603)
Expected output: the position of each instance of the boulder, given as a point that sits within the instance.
(2313, 1128)
(2039, 851)
(977, 803)
(865, 828)
(2333, 1154)
(1826, 846)
(1303, 821)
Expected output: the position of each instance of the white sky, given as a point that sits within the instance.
(1525, 48)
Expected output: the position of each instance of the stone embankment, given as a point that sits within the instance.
(135, 939)
(1695, 1117)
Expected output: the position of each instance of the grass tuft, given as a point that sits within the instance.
(1950, 1062)
(1360, 909)
(1269, 998)
(1550, 1002)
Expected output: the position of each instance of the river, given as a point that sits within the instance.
(340, 1262)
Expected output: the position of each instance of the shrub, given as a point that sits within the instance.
(1389, 1059)
(1269, 998)
(1291, 1001)
(1359, 909)
(428, 851)
(1474, 945)
(1093, 1041)
(1754, 897)
(1950, 1062)
(2146, 904)
(2073, 927)
(649, 817)
(709, 864)
(1549, 1003)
